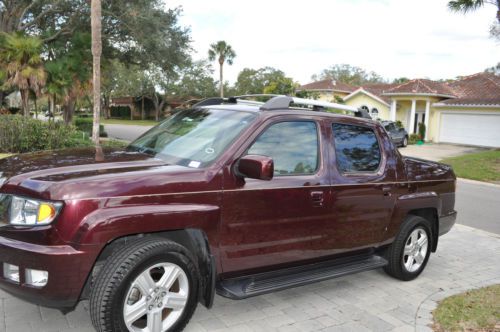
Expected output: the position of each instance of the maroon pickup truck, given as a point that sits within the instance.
(230, 197)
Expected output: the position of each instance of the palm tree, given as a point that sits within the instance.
(223, 53)
(466, 6)
(20, 56)
(95, 22)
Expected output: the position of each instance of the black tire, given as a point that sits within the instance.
(395, 253)
(404, 143)
(107, 297)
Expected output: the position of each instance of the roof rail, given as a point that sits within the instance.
(282, 102)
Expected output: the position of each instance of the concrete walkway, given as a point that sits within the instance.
(368, 301)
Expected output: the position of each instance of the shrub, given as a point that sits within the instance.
(413, 139)
(86, 125)
(421, 130)
(399, 124)
(19, 134)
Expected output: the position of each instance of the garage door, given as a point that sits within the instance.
(470, 129)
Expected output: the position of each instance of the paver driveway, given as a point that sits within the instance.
(368, 301)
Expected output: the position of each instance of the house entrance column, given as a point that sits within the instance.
(427, 116)
(393, 110)
(411, 130)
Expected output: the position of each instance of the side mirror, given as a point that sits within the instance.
(256, 167)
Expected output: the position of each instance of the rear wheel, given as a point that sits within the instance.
(410, 251)
(148, 286)
(404, 143)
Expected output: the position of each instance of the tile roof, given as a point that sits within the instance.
(478, 89)
(328, 84)
(421, 86)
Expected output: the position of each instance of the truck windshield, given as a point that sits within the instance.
(193, 138)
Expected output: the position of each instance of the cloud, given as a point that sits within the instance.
(394, 38)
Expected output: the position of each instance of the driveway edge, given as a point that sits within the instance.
(423, 317)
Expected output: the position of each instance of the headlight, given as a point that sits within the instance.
(23, 211)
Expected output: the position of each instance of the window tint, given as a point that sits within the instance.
(356, 148)
(292, 145)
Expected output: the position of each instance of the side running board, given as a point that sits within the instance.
(257, 284)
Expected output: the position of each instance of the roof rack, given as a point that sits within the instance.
(277, 102)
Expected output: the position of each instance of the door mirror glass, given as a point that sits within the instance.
(256, 167)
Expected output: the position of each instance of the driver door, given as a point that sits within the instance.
(277, 222)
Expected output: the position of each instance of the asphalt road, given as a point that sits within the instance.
(477, 204)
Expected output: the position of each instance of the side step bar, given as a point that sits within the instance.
(262, 283)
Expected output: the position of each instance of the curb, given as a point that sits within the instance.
(477, 231)
(423, 317)
(489, 184)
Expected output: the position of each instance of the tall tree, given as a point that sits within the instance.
(466, 6)
(96, 55)
(222, 52)
(264, 80)
(348, 74)
(20, 57)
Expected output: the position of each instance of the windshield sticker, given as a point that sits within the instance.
(194, 164)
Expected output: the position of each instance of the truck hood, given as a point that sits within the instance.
(89, 173)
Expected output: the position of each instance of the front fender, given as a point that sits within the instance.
(106, 224)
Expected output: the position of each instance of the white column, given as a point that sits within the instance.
(393, 110)
(427, 116)
(412, 116)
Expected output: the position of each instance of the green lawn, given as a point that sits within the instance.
(476, 310)
(130, 122)
(481, 166)
(4, 155)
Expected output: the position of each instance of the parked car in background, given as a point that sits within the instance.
(231, 197)
(398, 135)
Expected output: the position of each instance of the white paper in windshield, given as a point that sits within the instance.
(194, 164)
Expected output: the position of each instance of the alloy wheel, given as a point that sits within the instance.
(415, 249)
(156, 298)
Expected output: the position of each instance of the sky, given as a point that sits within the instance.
(394, 38)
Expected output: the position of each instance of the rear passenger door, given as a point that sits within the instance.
(363, 182)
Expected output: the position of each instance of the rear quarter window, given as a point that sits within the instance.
(356, 148)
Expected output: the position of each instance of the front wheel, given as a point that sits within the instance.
(148, 286)
(410, 251)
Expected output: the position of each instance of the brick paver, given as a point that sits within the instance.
(368, 301)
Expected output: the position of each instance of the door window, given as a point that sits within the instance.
(356, 148)
(293, 146)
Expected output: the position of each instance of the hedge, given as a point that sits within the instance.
(86, 125)
(19, 134)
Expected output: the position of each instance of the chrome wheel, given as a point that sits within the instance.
(415, 249)
(156, 299)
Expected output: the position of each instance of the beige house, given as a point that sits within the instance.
(463, 111)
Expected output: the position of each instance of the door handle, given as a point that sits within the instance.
(317, 197)
(386, 190)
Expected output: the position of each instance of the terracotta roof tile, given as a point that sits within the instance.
(422, 86)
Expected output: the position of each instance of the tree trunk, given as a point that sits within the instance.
(24, 102)
(36, 108)
(143, 115)
(221, 77)
(106, 109)
(95, 23)
(1, 98)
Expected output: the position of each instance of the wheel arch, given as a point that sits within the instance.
(430, 214)
(194, 240)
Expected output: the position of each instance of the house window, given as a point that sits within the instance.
(365, 108)
(374, 113)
